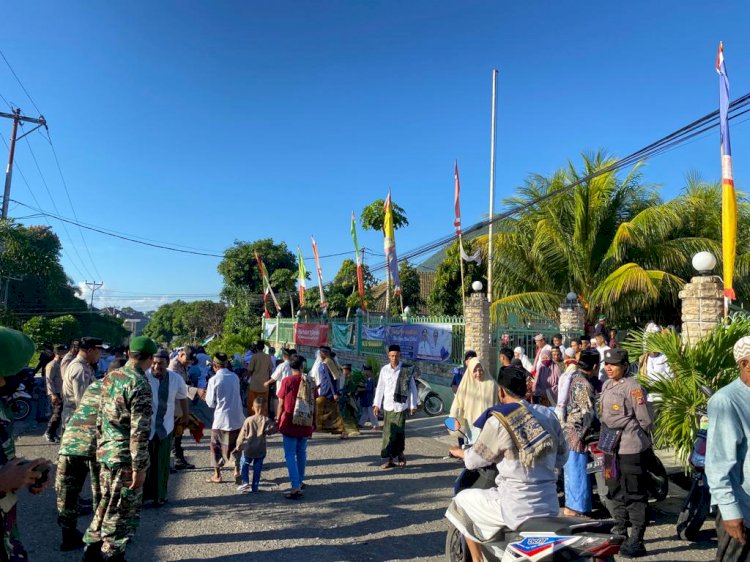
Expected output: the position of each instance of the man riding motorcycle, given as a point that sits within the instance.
(525, 441)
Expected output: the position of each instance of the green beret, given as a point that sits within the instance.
(16, 348)
(144, 345)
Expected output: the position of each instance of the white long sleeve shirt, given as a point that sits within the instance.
(223, 395)
(177, 391)
(387, 381)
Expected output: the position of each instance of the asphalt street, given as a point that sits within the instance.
(352, 510)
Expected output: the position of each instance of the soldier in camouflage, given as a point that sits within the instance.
(123, 429)
(76, 460)
(15, 351)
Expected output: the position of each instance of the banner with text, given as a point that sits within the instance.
(429, 342)
(313, 335)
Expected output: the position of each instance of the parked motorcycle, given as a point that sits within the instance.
(429, 399)
(698, 501)
(20, 401)
(539, 539)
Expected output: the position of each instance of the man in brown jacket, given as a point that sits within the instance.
(259, 371)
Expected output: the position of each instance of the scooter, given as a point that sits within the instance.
(428, 399)
(698, 501)
(539, 539)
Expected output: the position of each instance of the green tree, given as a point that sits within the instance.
(709, 362)
(373, 216)
(611, 240)
(53, 331)
(410, 288)
(181, 322)
(243, 286)
(342, 294)
(32, 255)
(445, 297)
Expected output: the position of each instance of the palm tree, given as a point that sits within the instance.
(709, 362)
(611, 240)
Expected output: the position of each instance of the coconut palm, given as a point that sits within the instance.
(709, 363)
(611, 240)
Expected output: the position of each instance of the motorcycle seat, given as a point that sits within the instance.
(565, 525)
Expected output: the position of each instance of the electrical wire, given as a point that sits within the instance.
(25, 91)
(33, 196)
(669, 142)
(70, 202)
(54, 205)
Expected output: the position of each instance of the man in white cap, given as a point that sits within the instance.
(727, 465)
(541, 345)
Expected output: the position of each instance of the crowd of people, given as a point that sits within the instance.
(538, 416)
(120, 420)
(119, 416)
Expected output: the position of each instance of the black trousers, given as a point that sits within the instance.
(54, 421)
(728, 549)
(628, 493)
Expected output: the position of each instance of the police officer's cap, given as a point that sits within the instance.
(143, 344)
(91, 343)
(616, 356)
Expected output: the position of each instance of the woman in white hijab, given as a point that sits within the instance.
(476, 393)
(525, 361)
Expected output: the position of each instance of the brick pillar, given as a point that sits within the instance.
(702, 307)
(478, 334)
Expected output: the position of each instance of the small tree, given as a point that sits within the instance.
(445, 297)
(709, 362)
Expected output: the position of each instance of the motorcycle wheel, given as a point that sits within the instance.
(455, 546)
(694, 512)
(433, 404)
(21, 408)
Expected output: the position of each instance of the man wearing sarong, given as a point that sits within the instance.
(223, 395)
(395, 394)
(167, 388)
(328, 414)
(180, 365)
(259, 370)
(525, 442)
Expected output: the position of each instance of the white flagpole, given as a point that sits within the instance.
(461, 261)
(492, 183)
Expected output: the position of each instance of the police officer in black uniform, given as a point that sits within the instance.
(624, 408)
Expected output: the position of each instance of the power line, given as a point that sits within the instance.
(25, 91)
(677, 138)
(54, 205)
(70, 202)
(33, 196)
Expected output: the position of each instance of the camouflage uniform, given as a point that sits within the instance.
(78, 458)
(11, 548)
(124, 426)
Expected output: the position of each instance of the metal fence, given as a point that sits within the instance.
(349, 335)
(517, 330)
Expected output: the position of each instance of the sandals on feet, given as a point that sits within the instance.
(295, 495)
(401, 461)
(388, 464)
(213, 481)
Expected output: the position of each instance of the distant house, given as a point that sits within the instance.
(133, 320)
(426, 284)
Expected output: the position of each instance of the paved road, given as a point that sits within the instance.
(352, 511)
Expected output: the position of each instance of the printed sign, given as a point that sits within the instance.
(428, 342)
(313, 335)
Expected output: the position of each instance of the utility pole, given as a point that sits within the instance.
(94, 286)
(6, 288)
(17, 118)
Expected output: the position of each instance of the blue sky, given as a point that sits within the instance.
(198, 123)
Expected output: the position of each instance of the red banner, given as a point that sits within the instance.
(313, 335)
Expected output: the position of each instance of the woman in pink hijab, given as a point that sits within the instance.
(544, 389)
